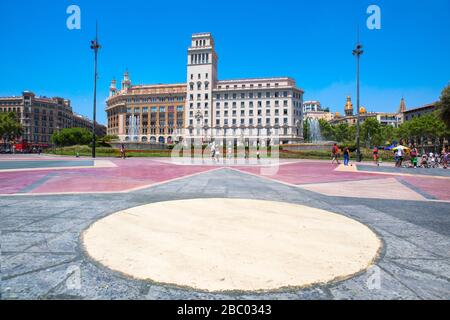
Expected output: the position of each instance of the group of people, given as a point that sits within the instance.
(426, 160)
(429, 160)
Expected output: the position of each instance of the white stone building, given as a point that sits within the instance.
(264, 108)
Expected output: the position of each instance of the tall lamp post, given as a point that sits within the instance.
(357, 52)
(199, 118)
(95, 46)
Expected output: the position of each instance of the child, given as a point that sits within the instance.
(414, 157)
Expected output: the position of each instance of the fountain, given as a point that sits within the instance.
(313, 139)
(314, 133)
(134, 127)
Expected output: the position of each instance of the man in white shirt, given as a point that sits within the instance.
(399, 157)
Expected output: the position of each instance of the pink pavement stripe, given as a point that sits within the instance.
(86, 184)
(438, 188)
(129, 174)
(14, 182)
(312, 172)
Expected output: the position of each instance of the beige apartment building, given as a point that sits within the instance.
(42, 116)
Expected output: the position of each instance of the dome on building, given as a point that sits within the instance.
(337, 115)
(362, 110)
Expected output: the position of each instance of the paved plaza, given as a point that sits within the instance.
(48, 205)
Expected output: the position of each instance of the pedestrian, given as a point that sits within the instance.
(445, 158)
(213, 152)
(414, 154)
(376, 156)
(218, 155)
(399, 155)
(424, 161)
(122, 151)
(346, 156)
(335, 154)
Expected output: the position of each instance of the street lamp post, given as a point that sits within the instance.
(357, 52)
(199, 118)
(95, 46)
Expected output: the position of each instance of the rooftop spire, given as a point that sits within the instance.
(402, 106)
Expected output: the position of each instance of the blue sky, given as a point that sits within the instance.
(310, 41)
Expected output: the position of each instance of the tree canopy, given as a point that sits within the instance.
(444, 105)
(72, 137)
(10, 128)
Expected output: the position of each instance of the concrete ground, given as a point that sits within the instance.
(43, 214)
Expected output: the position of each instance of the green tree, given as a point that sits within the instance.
(71, 137)
(371, 132)
(306, 130)
(109, 138)
(387, 135)
(327, 130)
(343, 132)
(444, 106)
(10, 128)
(422, 129)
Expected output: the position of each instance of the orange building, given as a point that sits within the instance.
(146, 113)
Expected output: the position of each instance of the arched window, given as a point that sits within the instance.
(161, 140)
(152, 139)
(144, 139)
